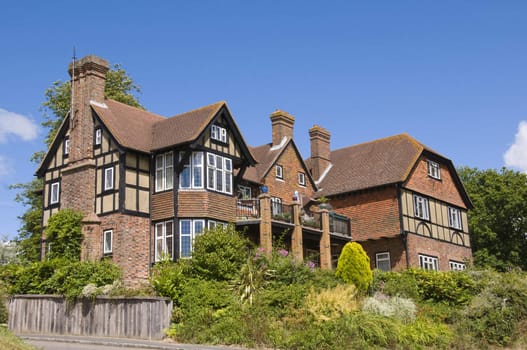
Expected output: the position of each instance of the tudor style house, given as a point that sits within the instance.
(407, 205)
(148, 184)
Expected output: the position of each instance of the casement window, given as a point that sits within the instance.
(164, 171)
(456, 266)
(54, 193)
(66, 147)
(211, 224)
(244, 192)
(188, 230)
(382, 261)
(276, 205)
(219, 173)
(302, 179)
(427, 262)
(164, 232)
(421, 207)
(107, 241)
(454, 218)
(98, 137)
(434, 170)
(108, 179)
(218, 133)
(279, 172)
(192, 174)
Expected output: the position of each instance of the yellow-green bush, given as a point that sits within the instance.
(354, 266)
(331, 303)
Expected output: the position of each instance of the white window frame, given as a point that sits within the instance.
(196, 227)
(434, 170)
(456, 265)
(98, 137)
(421, 207)
(276, 205)
(107, 245)
(108, 179)
(279, 172)
(211, 224)
(54, 193)
(301, 178)
(381, 259)
(66, 146)
(218, 133)
(164, 171)
(454, 218)
(219, 173)
(162, 236)
(427, 262)
(194, 169)
(244, 192)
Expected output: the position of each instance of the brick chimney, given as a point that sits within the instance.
(89, 78)
(282, 124)
(320, 152)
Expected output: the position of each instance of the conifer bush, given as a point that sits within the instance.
(354, 266)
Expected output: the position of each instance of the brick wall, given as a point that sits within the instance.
(394, 246)
(444, 251)
(444, 189)
(374, 213)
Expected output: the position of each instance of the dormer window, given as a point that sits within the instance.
(433, 170)
(218, 133)
(98, 137)
(279, 172)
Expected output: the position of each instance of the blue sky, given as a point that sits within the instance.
(453, 74)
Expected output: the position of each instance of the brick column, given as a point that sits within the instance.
(266, 232)
(325, 242)
(297, 246)
(91, 246)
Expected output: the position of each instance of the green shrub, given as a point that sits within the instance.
(354, 266)
(219, 253)
(332, 303)
(168, 277)
(400, 308)
(64, 234)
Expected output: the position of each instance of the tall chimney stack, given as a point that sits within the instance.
(282, 124)
(89, 79)
(320, 152)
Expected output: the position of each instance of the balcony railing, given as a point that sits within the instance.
(248, 209)
(282, 212)
(339, 224)
(313, 220)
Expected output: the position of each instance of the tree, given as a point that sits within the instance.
(354, 266)
(120, 87)
(64, 235)
(498, 222)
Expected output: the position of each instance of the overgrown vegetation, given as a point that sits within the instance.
(232, 293)
(9, 341)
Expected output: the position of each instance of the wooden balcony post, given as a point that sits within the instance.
(266, 232)
(325, 242)
(297, 246)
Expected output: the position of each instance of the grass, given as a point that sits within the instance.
(8, 341)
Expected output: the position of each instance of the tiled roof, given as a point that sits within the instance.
(265, 155)
(376, 163)
(183, 127)
(144, 131)
(131, 127)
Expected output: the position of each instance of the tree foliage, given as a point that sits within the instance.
(120, 87)
(498, 222)
(64, 234)
(354, 266)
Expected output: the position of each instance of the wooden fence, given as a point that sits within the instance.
(137, 317)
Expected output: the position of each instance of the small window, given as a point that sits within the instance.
(189, 229)
(98, 136)
(164, 175)
(218, 133)
(279, 172)
(434, 170)
(383, 262)
(454, 218)
(212, 224)
(428, 262)
(54, 193)
(456, 266)
(421, 207)
(108, 179)
(108, 241)
(66, 147)
(302, 179)
(164, 233)
(244, 192)
(276, 206)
